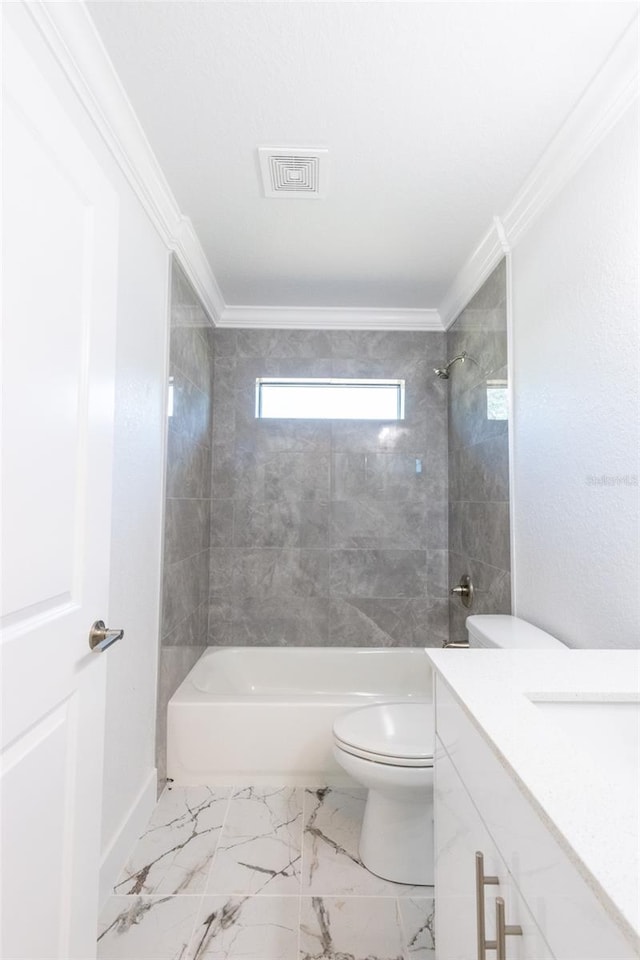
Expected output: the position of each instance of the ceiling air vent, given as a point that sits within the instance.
(292, 172)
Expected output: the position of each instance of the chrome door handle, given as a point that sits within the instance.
(100, 637)
(481, 881)
(504, 930)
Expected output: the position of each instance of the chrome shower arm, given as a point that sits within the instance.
(443, 372)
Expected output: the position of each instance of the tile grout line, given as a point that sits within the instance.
(305, 794)
(303, 805)
(299, 937)
(403, 932)
(192, 936)
(232, 791)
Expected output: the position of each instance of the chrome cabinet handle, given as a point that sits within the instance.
(504, 930)
(101, 637)
(481, 882)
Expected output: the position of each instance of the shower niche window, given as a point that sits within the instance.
(296, 398)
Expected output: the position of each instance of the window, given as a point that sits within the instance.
(329, 399)
(497, 400)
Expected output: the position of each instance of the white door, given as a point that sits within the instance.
(60, 274)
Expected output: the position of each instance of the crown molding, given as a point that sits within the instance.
(484, 259)
(77, 46)
(331, 318)
(611, 92)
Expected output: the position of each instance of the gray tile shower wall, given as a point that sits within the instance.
(479, 456)
(322, 532)
(185, 587)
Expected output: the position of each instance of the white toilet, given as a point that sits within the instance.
(388, 748)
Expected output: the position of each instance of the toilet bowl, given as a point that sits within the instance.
(388, 748)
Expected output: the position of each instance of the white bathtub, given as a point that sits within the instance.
(258, 714)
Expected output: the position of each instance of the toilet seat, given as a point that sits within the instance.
(382, 758)
(396, 734)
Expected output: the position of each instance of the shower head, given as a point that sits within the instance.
(443, 372)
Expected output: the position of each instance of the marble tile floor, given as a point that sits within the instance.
(260, 873)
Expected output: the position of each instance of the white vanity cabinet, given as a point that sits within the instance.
(479, 806)
(460, 836)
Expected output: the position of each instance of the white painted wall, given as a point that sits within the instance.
(134, 600)
(576, 363)
(129, 765)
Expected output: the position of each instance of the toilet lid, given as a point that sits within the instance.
(388, 732)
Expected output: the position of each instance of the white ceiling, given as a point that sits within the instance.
(433, 113)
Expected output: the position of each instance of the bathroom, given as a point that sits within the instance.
(192, 525)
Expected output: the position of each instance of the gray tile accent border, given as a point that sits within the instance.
(184, 588)
(186, 528)
(479, 537)
(186, 562)
(175, 664)
(188, 467)
(388, 574)
(322, 532)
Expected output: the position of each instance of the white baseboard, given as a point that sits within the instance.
(114, 857)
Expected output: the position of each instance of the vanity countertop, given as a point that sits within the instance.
(566, 723)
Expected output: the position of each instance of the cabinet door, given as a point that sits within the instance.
(459, 834)
(574, 921)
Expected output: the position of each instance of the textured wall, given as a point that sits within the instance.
(576, 342)
(136, 531)
(479, 457)
(185, 581)
(321, 532)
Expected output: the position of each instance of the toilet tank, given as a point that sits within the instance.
(508, 633)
